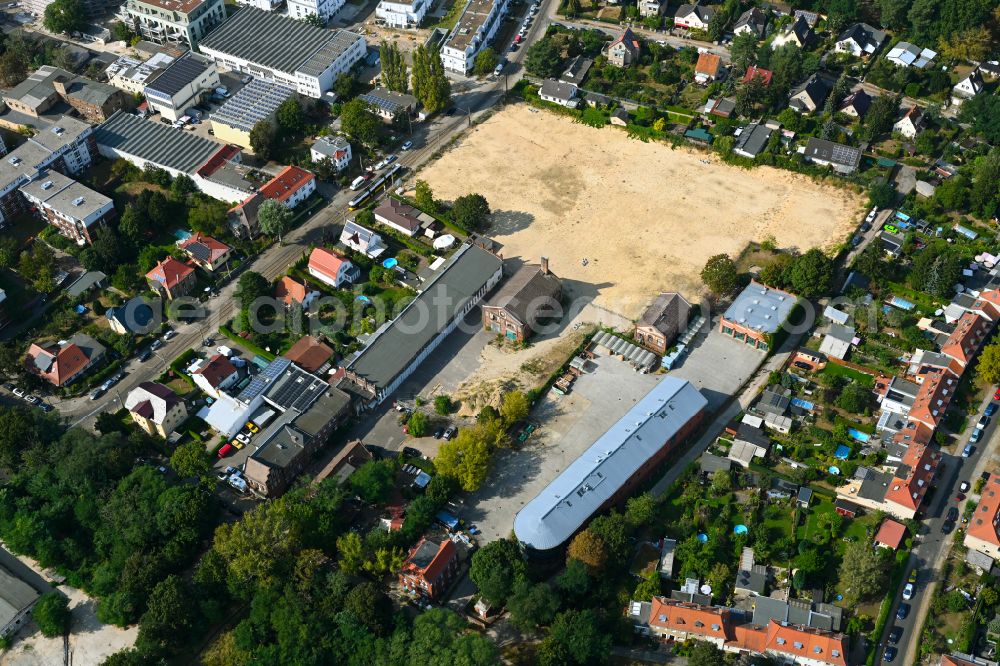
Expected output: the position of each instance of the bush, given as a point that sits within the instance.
(417, 424)
(51, 614)
(442, 405)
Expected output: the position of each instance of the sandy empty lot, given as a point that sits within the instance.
(645, 217)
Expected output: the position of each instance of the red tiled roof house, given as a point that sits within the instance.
(63, 363)
(430, 568)
(291, 186)
(172, 278)
(289, 291)
(983, 534)
(890, 534)
(332, 268)
(214, 374)
(206, 251)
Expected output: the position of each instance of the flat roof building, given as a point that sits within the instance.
(181, 84)
(256, 101)
(395, 350)
(613, 465)
(132, 75)
(756, 314)
(73, 208)
(282, 49)
(177, 22)
(17, 598)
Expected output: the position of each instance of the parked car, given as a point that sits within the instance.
(889, 654)
(97, 393)
(895, 634)
(389, 159)
(984, 421)
(947, 527)
(902, 611)
(156, 344)
(996, 394)
(908, 591)
(252, 427)
(952, 514)
(242, 437)
(517, 39)
(225, 450)
(223, 475)
(237, 444)
(19, 392)
(872, 214)
(45, 407)
(438, 432)
(406, 146)
(963, 487)
(31, 399)
(450, 432)
(411, 452)
(967, 451)
(913, 575)
(8, 386)
(976, 435)
(169, 333)
(145, 354)
(866, 227)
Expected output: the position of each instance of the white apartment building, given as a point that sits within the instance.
(266, 5)
(180, 85)
(402, 15)
(324, 9)
(281, 49)
(474, 31)
(183, 22)
(75, 209)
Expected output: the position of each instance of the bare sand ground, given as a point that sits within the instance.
(644, 216)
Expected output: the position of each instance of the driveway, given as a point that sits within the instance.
(718, 365)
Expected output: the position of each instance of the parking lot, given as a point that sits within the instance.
(568, 425)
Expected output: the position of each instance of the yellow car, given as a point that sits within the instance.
(237, 444)
(252, 427)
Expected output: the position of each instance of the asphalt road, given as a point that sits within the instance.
(470, 99)
(932, 545)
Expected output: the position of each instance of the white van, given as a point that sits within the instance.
(357, 183)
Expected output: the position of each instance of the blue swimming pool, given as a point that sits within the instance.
(702, 537)
(740, 529)
(182, 235)
(858, 435)
(843, 451)
(804, 404)
(833, 470)
(389, 263)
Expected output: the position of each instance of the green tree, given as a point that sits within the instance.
(424, 197)
(720, 276)
(430, 85)
(314, 20)
(257, 548)
(880, 117)
(722, 482)
(274, 219)
(882, 194)
(496, 569)
(743, 51)
(359, 123)
(51, 614)
(855, 398)
(471, 212)
(649, 587)
(532, 606)
(417, 424)
(442, 405)
(291, 119)
(576, 637)
(892, 13)
(983, 113)
(773, 273)
(13, 68)
(589, 548)
(989, 363)
(264, 139)
(466, 458)
(350, 552)
(190, 459)
(514, 407)
(811, 274)
(640, 510)
(394, 74)
(864, 571)
(168, 619)
(370, 604)
(486, 62)
(373, 481)
(440, 637)
(250, 287)
(705, 654)
(346, 87)
(65, 16)
(544, 58)
(10, 249)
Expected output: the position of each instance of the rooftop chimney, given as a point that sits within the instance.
(545, 265)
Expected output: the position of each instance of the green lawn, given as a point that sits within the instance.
(852, 374)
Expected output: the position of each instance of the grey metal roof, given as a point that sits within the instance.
(256, 101)
(753, 139)
(761, 308)
(392, 350)
(15, 596)
(559, 510)
(389, 100)
(330, 145)
(180, 73)
(278, 42)
(834, 153)
(558, 89)
(65, 195)
(155, 142)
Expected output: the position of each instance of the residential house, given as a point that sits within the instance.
(429, 569)
(176, 22)
(62, 363)
(171, 278)
(968, 87)
(905, 54)
(774, 400)
(389, 104)
(708, 68)
(155, 408)
(695, 17)
(811, 18)
(752, 140)
(135, 317)
(755, 72)
(74, 209)
(856, 104)
(649, 8)
(661, 322)
(804, 497)
(752, 22)
(837, 341)
(289, 291)
(749, 442)
(333, 269)
(529, 296)
(911, 123)
(205, 251)
(50, 85)
(476, 27)
(353, 455)
(843, 159)
(361, 239)
(214, 374)
(785, 642)
(860, 40)
(557, 92)
(17, 598)
(799, 33)
(576, 70)
(983, 534)
(756, 314)
(311, 354)
(810, 95)
(890, 534)
(901, 491)
(619, 117)
(290, 187)
(402, 217)
(624, 50)
(402, 14)
(332, 147)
